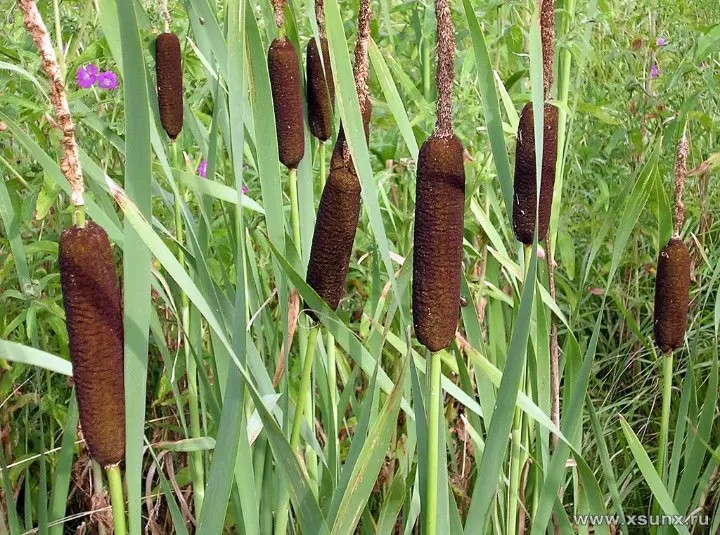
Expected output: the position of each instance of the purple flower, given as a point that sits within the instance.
(86, 76)
(107, 80)
(661, 41)
(654, 71)
(245, 189)
(202, 169)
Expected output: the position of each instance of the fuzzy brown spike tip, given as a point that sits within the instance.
(437, 260)
(672, 295)
(320, 89)
(524, 197)
(287, 100)
(332, 243)
(95, 329)
(168, 68)
(337, 160)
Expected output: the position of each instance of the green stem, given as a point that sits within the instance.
(304, 387)
(434, 410)
(78, 216)
(332, 382)
(117, 499)
(295, 209)
(426, 68)
(99, 487)
(284, 498)
(197, 471)
(667, 376)
(323, 170)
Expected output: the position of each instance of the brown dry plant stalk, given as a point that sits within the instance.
(547, 34)
(445, 72)
(320, 16)
(681, 172)
(70, 162)
(278, 6)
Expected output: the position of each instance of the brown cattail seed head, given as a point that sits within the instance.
(672, 295)
(337, 220)
(95, 329)
(524, 198)
(287, 101)
(168, 68)
(437, 260)
(320, 89)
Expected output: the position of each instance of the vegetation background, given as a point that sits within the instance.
(216, 277)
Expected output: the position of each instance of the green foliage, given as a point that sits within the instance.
(213, 276)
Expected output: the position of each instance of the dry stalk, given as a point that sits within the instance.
(547, 34)
(320, 16)
(445, 72)
(681, 157)
(70, 162)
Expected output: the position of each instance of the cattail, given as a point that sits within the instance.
(437, 260)
(341, 149)
(320, 89)
(287, 101)
(524, 199)
(672, 295)
(168, 68)
(337, 220)
(95, 329)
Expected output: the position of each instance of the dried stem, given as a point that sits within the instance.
(361, 67)
(320, 16)
(278, 6)
(445, 71)
(70, 162)
(547, 33)
(681, 156)
(165, 12)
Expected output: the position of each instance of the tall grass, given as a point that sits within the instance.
(212, 277)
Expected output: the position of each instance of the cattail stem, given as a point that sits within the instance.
(305, 382)
(117, 499)
(70, 162)
(667, 376)
(547, 35)
(304, 386)
(320, 16)
(681, 156)
(445, 72)
(554, 347)
(278, 7)
(98, 490)
(165, 13)
(433, 455)
(323, 165)
(294, 208)
(197, 471)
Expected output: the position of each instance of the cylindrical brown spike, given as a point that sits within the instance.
(337, 160)
(320, 89)
(332, 243)
(437, 259)
(672, 295)
(168, 69)
(287, 100)
(95, 329)
(524, 198)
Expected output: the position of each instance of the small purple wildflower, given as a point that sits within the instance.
(245, 190)
(654, 71)
(202, 169)
(107, 80)
(86, 76)
(661, 41)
